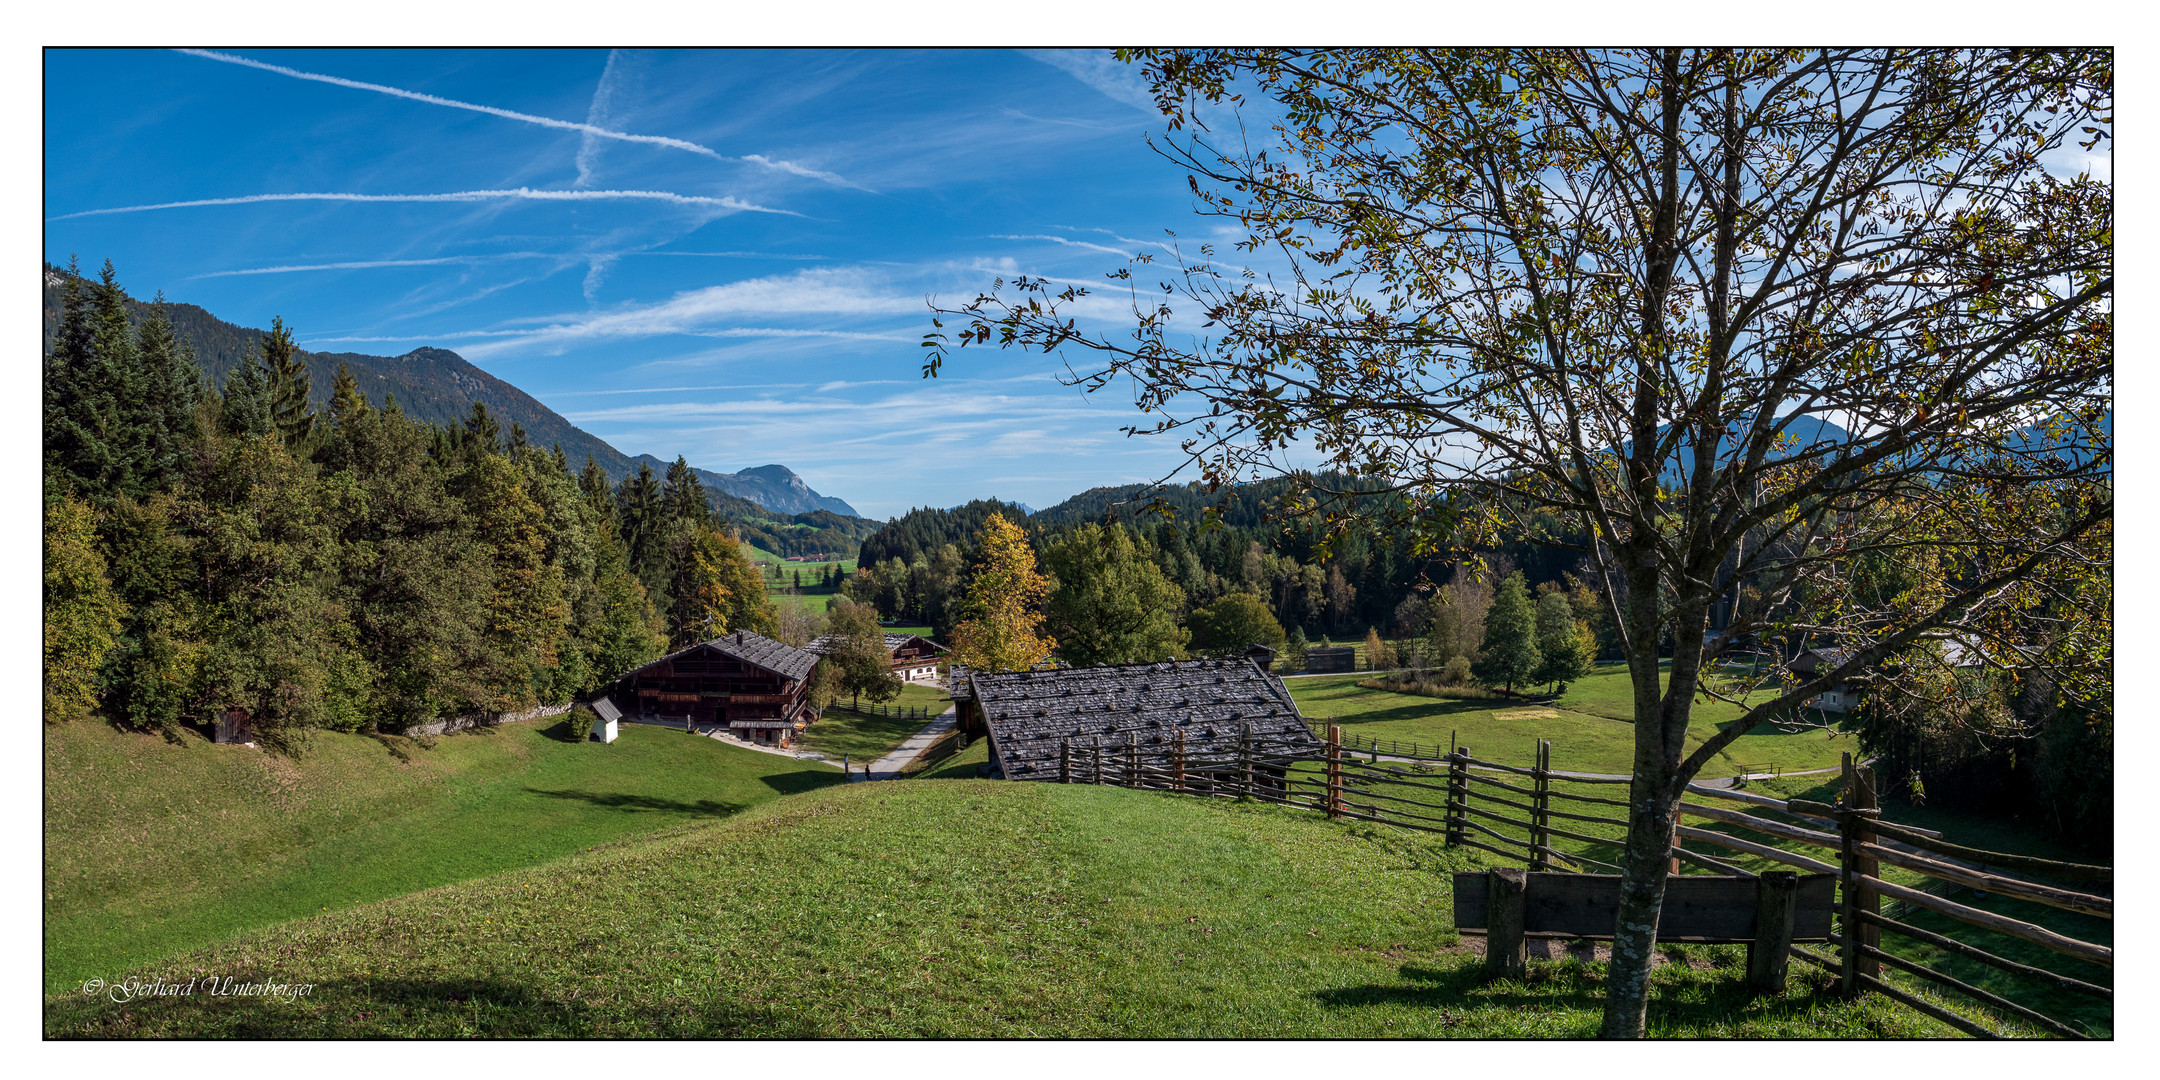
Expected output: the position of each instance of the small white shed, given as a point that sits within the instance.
(606, 720)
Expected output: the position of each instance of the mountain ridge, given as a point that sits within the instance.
(437, 386)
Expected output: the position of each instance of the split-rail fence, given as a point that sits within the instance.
(1470, 801)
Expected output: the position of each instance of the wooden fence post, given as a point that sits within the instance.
(1870, 901)
(1095, 761)
(1458, 793)
(1853, 831)
(1507, 952)
(1245, 756)
(1064, 761)
(1334, 771)
(1540, 801)
(1775, 894)
(1177, 759)
(1132, 762)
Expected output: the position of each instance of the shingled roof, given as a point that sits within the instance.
(753, 648)
(1031, 713)
(824, 644)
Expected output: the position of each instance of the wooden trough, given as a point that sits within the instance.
(1767, 914)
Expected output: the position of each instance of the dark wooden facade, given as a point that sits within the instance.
(1330, 658)
(752, 686)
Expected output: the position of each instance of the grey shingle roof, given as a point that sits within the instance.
(751, 648)
(1031, 713)
(777, 657)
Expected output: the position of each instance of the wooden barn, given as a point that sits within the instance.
(914, 658)
(756, 688)
(1031, 717)
(1330, 658)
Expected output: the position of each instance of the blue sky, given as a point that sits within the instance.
(718, 254)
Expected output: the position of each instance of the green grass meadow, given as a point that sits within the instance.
(1589, 726)
(865, 738)
(153, 847)
(814, 602)
(949, 908)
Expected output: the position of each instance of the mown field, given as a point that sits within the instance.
(865, 738)
(153, 847)
(1589, 726)
(947, 908)
(816, 601)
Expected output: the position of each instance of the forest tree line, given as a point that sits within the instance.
(224, 549)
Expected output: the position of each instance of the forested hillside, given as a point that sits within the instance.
(246, 550)
(437, 386)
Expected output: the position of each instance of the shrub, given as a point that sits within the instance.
(581, 723)
(1457, 672)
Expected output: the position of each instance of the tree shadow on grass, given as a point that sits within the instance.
(801, 780)
(618, 801)
(392, 1008)
(1703, 1001)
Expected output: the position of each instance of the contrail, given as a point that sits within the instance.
(507, 114)
(529, 118)
(373, 264)
(725, 202)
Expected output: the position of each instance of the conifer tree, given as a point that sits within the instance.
(245, 409)
(599, 499)
(482, 428)
(347, 403)
(170, 388)
(90, 376)
(682, 497)
(643, 529)
(287, 380)
(1511, 648)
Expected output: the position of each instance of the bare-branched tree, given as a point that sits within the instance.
(1801, 346)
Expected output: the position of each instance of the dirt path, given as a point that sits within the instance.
(890, 766)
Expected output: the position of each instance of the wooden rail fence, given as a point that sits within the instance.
(1470, 801)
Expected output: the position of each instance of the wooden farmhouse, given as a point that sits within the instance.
(756, 688)
(1032, 717)
(1838, 699)
(914, 658)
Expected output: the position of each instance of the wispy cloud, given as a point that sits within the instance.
(588, 154)
(1102, 73)
(732, 255)
(721, 202)
(588, 129)
(704, 312)
(376, 264)
(1063, 240)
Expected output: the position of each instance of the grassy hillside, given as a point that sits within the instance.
(942, 908)
(1589, 726)
(152, 847)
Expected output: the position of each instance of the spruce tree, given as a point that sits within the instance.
(1511, 648)
(642, 527)
(173, 386)
(245, 408)
(482, 428)
(683, 495)
(599, 498)
(347, 403)
(75, 430)
(288, 381)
